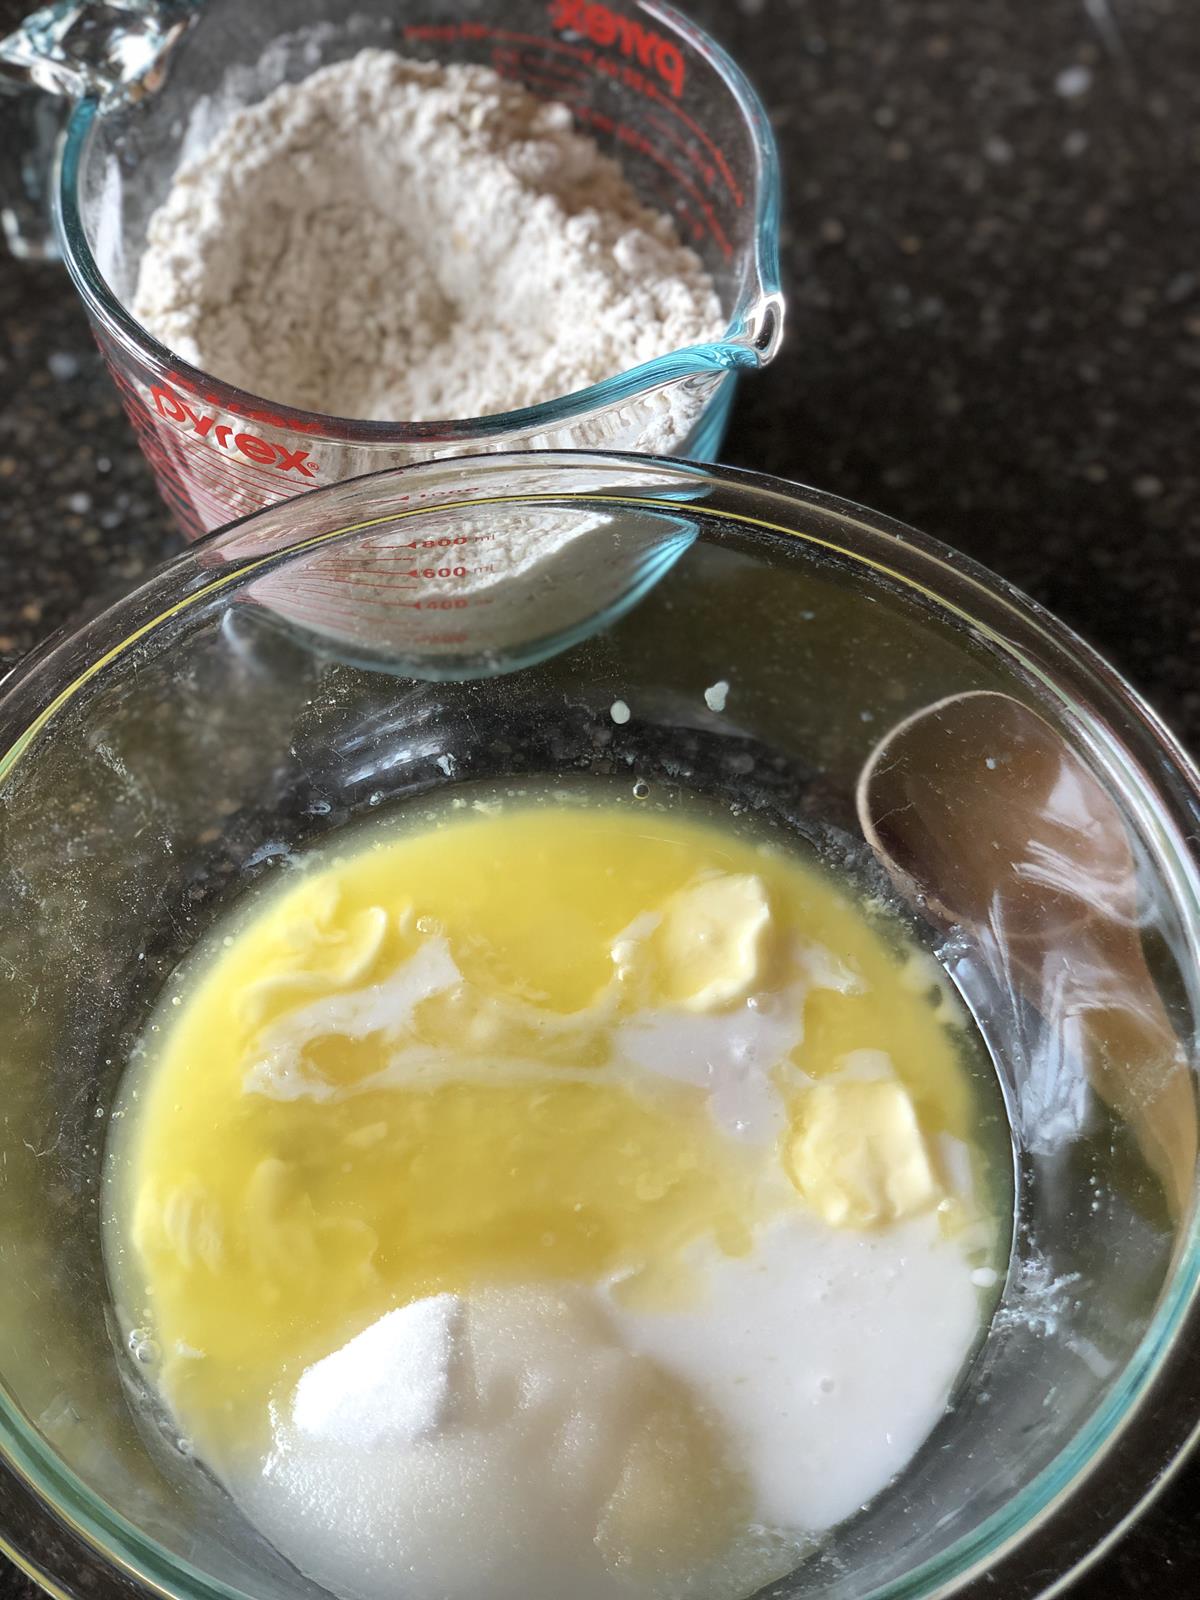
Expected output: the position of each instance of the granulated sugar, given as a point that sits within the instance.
(390, 1386)
(540, 1456)
(401, 240)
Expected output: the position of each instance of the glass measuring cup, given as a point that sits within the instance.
(650, 87)
(190, 741)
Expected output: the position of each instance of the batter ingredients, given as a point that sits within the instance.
(559, 1194)
(400, 240)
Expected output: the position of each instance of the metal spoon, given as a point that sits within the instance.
(985, 818)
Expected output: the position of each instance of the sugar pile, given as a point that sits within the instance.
(388, 1386)
(460, 1444)
(393, 239)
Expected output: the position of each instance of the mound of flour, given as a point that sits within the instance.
(401, 240)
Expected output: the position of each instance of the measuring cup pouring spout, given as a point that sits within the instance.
(765, 325)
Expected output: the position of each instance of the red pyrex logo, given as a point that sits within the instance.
(604, 27)
(251, 445)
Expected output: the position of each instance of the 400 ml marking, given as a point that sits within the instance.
(264, 452)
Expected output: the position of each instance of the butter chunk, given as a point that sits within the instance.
(319, 958)
(712, 941)
(858, 1156)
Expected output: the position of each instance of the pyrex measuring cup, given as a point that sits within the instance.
(653, 90)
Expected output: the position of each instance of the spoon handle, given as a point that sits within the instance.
(1094, 992)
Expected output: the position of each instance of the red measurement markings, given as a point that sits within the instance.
(216, 490)
(541, 41)
(692, 224)
(539, 84)
(705, 169)
(718, 155)
(209, 502)
(371, 579)
(631, 78)
(431, 496)
(367, 574)
(382, 543)
(624, 134)
(445, 32)
(484, 33)
(546, 62)
(554, 70)
(213, 502)
(345, 578)
(336, 593)
(453, 32)
(320, 613)
(441, 541)
(210, 510)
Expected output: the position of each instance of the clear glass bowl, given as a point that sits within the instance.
(653, 90)
(326, 657)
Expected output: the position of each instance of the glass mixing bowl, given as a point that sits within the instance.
(483, 618)
(156, 82)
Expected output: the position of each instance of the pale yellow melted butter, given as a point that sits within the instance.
(395, 1077)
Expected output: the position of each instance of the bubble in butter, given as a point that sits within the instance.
(552, 1191)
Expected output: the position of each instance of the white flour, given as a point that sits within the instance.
(398, 240)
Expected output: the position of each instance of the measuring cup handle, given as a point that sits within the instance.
(71, 51)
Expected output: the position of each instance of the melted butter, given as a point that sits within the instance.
(450, 1059)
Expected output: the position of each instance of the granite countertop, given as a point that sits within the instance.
(990, 250)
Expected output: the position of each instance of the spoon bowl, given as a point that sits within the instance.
(984, 817)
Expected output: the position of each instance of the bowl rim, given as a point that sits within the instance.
(1153, 1409)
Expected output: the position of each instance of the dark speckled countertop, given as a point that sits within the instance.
(992, 254)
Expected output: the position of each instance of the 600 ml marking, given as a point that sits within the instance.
(605, 27)
(265, 452)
